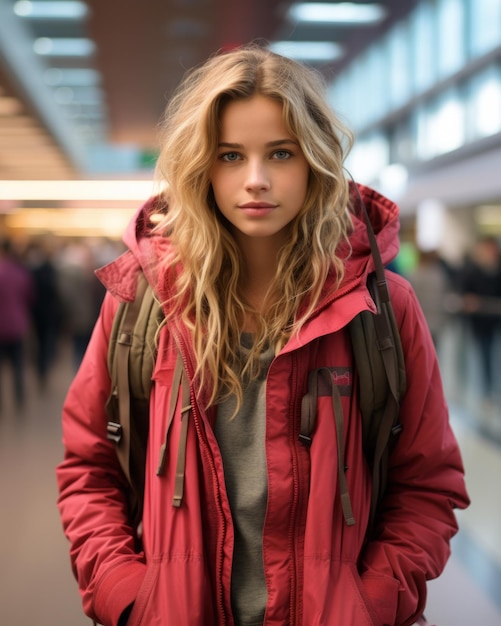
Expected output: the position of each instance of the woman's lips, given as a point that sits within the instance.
(257, 209)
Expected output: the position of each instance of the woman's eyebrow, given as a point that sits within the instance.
(269, 144)
(281, 142)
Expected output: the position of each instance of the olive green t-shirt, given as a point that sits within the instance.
(241, 441)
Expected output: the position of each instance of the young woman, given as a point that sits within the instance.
(260, 262)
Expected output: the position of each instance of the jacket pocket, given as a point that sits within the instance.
(143, 597)
(380, 595)
(334, 593)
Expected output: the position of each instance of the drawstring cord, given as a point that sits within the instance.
(179, 379)
(308, 416)
(181, 453)
(176, 381)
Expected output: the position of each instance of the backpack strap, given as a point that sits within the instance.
(131, 358)
(179, 379)
(323, 376)
(379, 362)
(124, 323)
(379, 395)
(177, 499)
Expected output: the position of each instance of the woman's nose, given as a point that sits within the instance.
(257, 176)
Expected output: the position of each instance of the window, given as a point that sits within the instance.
(451, 36)
(368, 157)
(377, 83)
(485, 25)
(484, 102)
(399, 65)
(423, 47)
(441, 126)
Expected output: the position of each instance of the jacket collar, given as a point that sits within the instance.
(144, 249)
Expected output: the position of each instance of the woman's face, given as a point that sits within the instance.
(260, 175)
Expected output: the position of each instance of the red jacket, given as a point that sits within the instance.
(317, 570)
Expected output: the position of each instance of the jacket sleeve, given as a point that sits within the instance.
(92, 489)
(425, 476)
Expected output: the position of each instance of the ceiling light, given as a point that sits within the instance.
(76, 189)
(64, 47)
(51, 10)
(337, 12)
(308, 50)
(72, 222)
(71, 77)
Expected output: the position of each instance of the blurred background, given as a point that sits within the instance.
(83, 85)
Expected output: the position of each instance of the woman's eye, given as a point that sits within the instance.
(229, 156)
(282, 154)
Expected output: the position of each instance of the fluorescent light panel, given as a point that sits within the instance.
(71, 77)
(76, 189)
(308, 50)
(51, 10)
(61, 222)
(336, 12)
(64, 47)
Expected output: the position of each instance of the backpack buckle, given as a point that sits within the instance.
(305, 440)
(114, 431)
(125, 338)
(397, 429)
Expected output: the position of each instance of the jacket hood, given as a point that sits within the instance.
(384, 218)
(144, 248)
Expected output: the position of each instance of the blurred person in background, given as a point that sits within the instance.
(431, 284)
(81, 295)
(481, 291)
(260, 258)
(17, 297)
(47, 310)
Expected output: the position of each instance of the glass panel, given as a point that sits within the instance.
(424, 47)
(377, 83)
(484, 117)
(441, 126)
(485, 25)
(360, 93)
(399, 64)
(368, 157)
(451, 40)
(340, 96)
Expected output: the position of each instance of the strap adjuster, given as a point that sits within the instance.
(114, 431)
(305, 440)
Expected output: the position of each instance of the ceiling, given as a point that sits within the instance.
(49, 130)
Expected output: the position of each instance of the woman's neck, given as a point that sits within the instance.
(260, 257)
(260, 266)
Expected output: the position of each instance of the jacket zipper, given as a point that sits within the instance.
(222, 618)
(300, 497)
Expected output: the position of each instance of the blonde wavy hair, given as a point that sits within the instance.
(208, 292)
